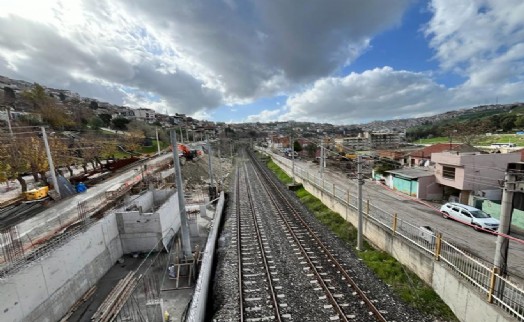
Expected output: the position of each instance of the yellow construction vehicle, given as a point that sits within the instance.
(36, 194)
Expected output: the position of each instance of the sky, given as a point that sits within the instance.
(339, 61)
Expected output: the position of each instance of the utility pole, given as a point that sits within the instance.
(293, 160)
(219, 167)
(157, 142)
(321, 161)
(50, 161)
(360, 216)
(184, 227)
(8, 111)
(501, 250)
(211, 185)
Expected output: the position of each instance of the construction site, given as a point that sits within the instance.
(129, 248)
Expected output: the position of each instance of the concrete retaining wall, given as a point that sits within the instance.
(46, 289)
(467, 303)
(141, 231)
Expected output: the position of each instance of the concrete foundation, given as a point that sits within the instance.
(46, 289)
(142, 224)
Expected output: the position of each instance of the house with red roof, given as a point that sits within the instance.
(422, 156)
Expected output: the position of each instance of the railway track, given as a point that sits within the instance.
(285, 271)
(258, 295)
(321, 265)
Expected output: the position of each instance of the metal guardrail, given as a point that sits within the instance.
(485, 278)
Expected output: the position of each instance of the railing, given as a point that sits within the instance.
(479, 273)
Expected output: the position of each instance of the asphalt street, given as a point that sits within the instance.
(477, 243)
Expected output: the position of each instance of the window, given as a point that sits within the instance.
(448, 172)
(465, 213)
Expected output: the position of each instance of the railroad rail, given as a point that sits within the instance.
(255, 286)
(298, 228)
(286, 270)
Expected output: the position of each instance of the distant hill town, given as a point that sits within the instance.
(69, 99)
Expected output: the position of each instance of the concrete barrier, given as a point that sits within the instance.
(197, 310)
(45, 290)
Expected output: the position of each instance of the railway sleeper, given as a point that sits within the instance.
(265, 318)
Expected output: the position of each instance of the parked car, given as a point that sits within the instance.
(471, 215)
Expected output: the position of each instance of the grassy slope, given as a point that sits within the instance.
(403, 282)
(484, 141)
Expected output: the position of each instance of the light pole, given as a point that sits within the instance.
(293, 160)
(184, 225)
(360, 216)
(321, 161)
(50, 161)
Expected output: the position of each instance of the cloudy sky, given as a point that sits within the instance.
(337, 61)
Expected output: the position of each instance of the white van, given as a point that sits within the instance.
(471, 215)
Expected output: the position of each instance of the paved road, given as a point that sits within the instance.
(479, 244)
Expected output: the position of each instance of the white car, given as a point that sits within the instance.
(471, 215)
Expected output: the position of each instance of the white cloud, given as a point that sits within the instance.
(378, 94)
(263, 116)
(482, 40)
(195, 55)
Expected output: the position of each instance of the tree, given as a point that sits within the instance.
(311, 149)
(92, 147)
(9, 96)
(297, 147)
(132, 141)
(11, 159)
(93, 105)
(51, 114)
(60, 152)
(36, 96)
(467, 132)
(230, 133)
(96, 123)
(62, 96)
(120, 123)
(507, 123)
(106, 118)
(520, 122)
(33, 150)
(147, 130)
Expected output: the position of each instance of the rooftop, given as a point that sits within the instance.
(413, 173)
